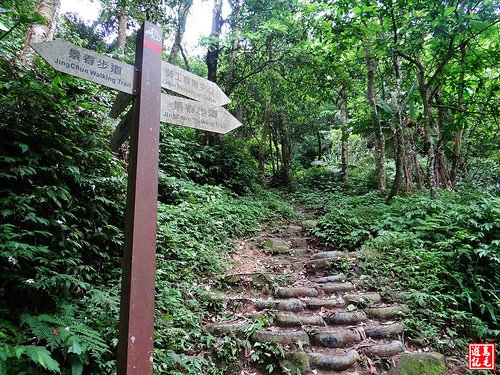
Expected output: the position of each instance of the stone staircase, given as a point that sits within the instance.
(325, 322)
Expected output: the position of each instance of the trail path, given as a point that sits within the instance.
(326, 322)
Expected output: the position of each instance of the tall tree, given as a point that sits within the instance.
(181, 12)
(375, 119)
(345, 134)
(213, 48)
(40, 32)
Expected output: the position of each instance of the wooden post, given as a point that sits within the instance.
(135, 343)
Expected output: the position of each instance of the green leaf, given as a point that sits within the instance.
(76, 368)
(3, 28)
(75, 346)
(41, 356)
(449, 11)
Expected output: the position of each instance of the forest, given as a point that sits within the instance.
(373, 125)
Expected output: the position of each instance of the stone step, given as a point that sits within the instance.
(223, 329)
(293, 230)
(365, 299)
(348, 317)
(294, 305)
(383, 330)
(281, 337)
(299, 252)
(329, 338)
(329, 279)
(309, 224)
(298, 242)
(276, 246)
(386, 312)
(327, 255)
(290, 320)
(295, 363)
(317, 265)
(297, 292)
(385, 350)
(337, 287)
(338, 362)
(327, 303)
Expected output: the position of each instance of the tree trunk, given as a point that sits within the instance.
(213, 48)
(235, 36)
(37, 33)
(271, 153)
(122, 31)
(457, 144)
(377, 128)
(213, 57)
(320, 146)
(263, 140)
(286, 153)
(345, 136)
(182, 13)
(414, 157)
(399, 144)
(429, 146)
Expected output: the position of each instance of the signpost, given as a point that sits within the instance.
(192, 114)
(84, 63)
(188, 84)
(141, 84)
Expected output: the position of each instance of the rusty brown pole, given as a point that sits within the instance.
(135, 341)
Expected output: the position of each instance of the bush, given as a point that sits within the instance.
(442, 254)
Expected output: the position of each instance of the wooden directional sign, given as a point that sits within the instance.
(193, 114)
(188, 84)
(84, 63)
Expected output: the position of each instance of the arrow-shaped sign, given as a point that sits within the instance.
(188, 84)
(193, 114)
(84, 63)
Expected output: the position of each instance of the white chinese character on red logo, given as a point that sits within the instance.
(482, 357)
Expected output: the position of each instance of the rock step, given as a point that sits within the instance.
(338, 362)
(298, 242)
(385, 350)
(329, 279)
(298, 252)
(297, 292)
(315, 265)
(363, 298)
(294, 305)
(337, 287)
(383, 330)
(276, 246)
(348, 317)
(223, 329)
(327, 255)
(327, 303)
(329, 338)
(387, 312)
(293, 230)
(281, 337)
(289, 320)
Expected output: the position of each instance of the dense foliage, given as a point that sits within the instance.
(440, 257)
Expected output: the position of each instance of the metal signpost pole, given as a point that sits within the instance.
(135, 342)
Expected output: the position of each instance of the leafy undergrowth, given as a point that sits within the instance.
(441, 257)
(62, 195)
(192, 241)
